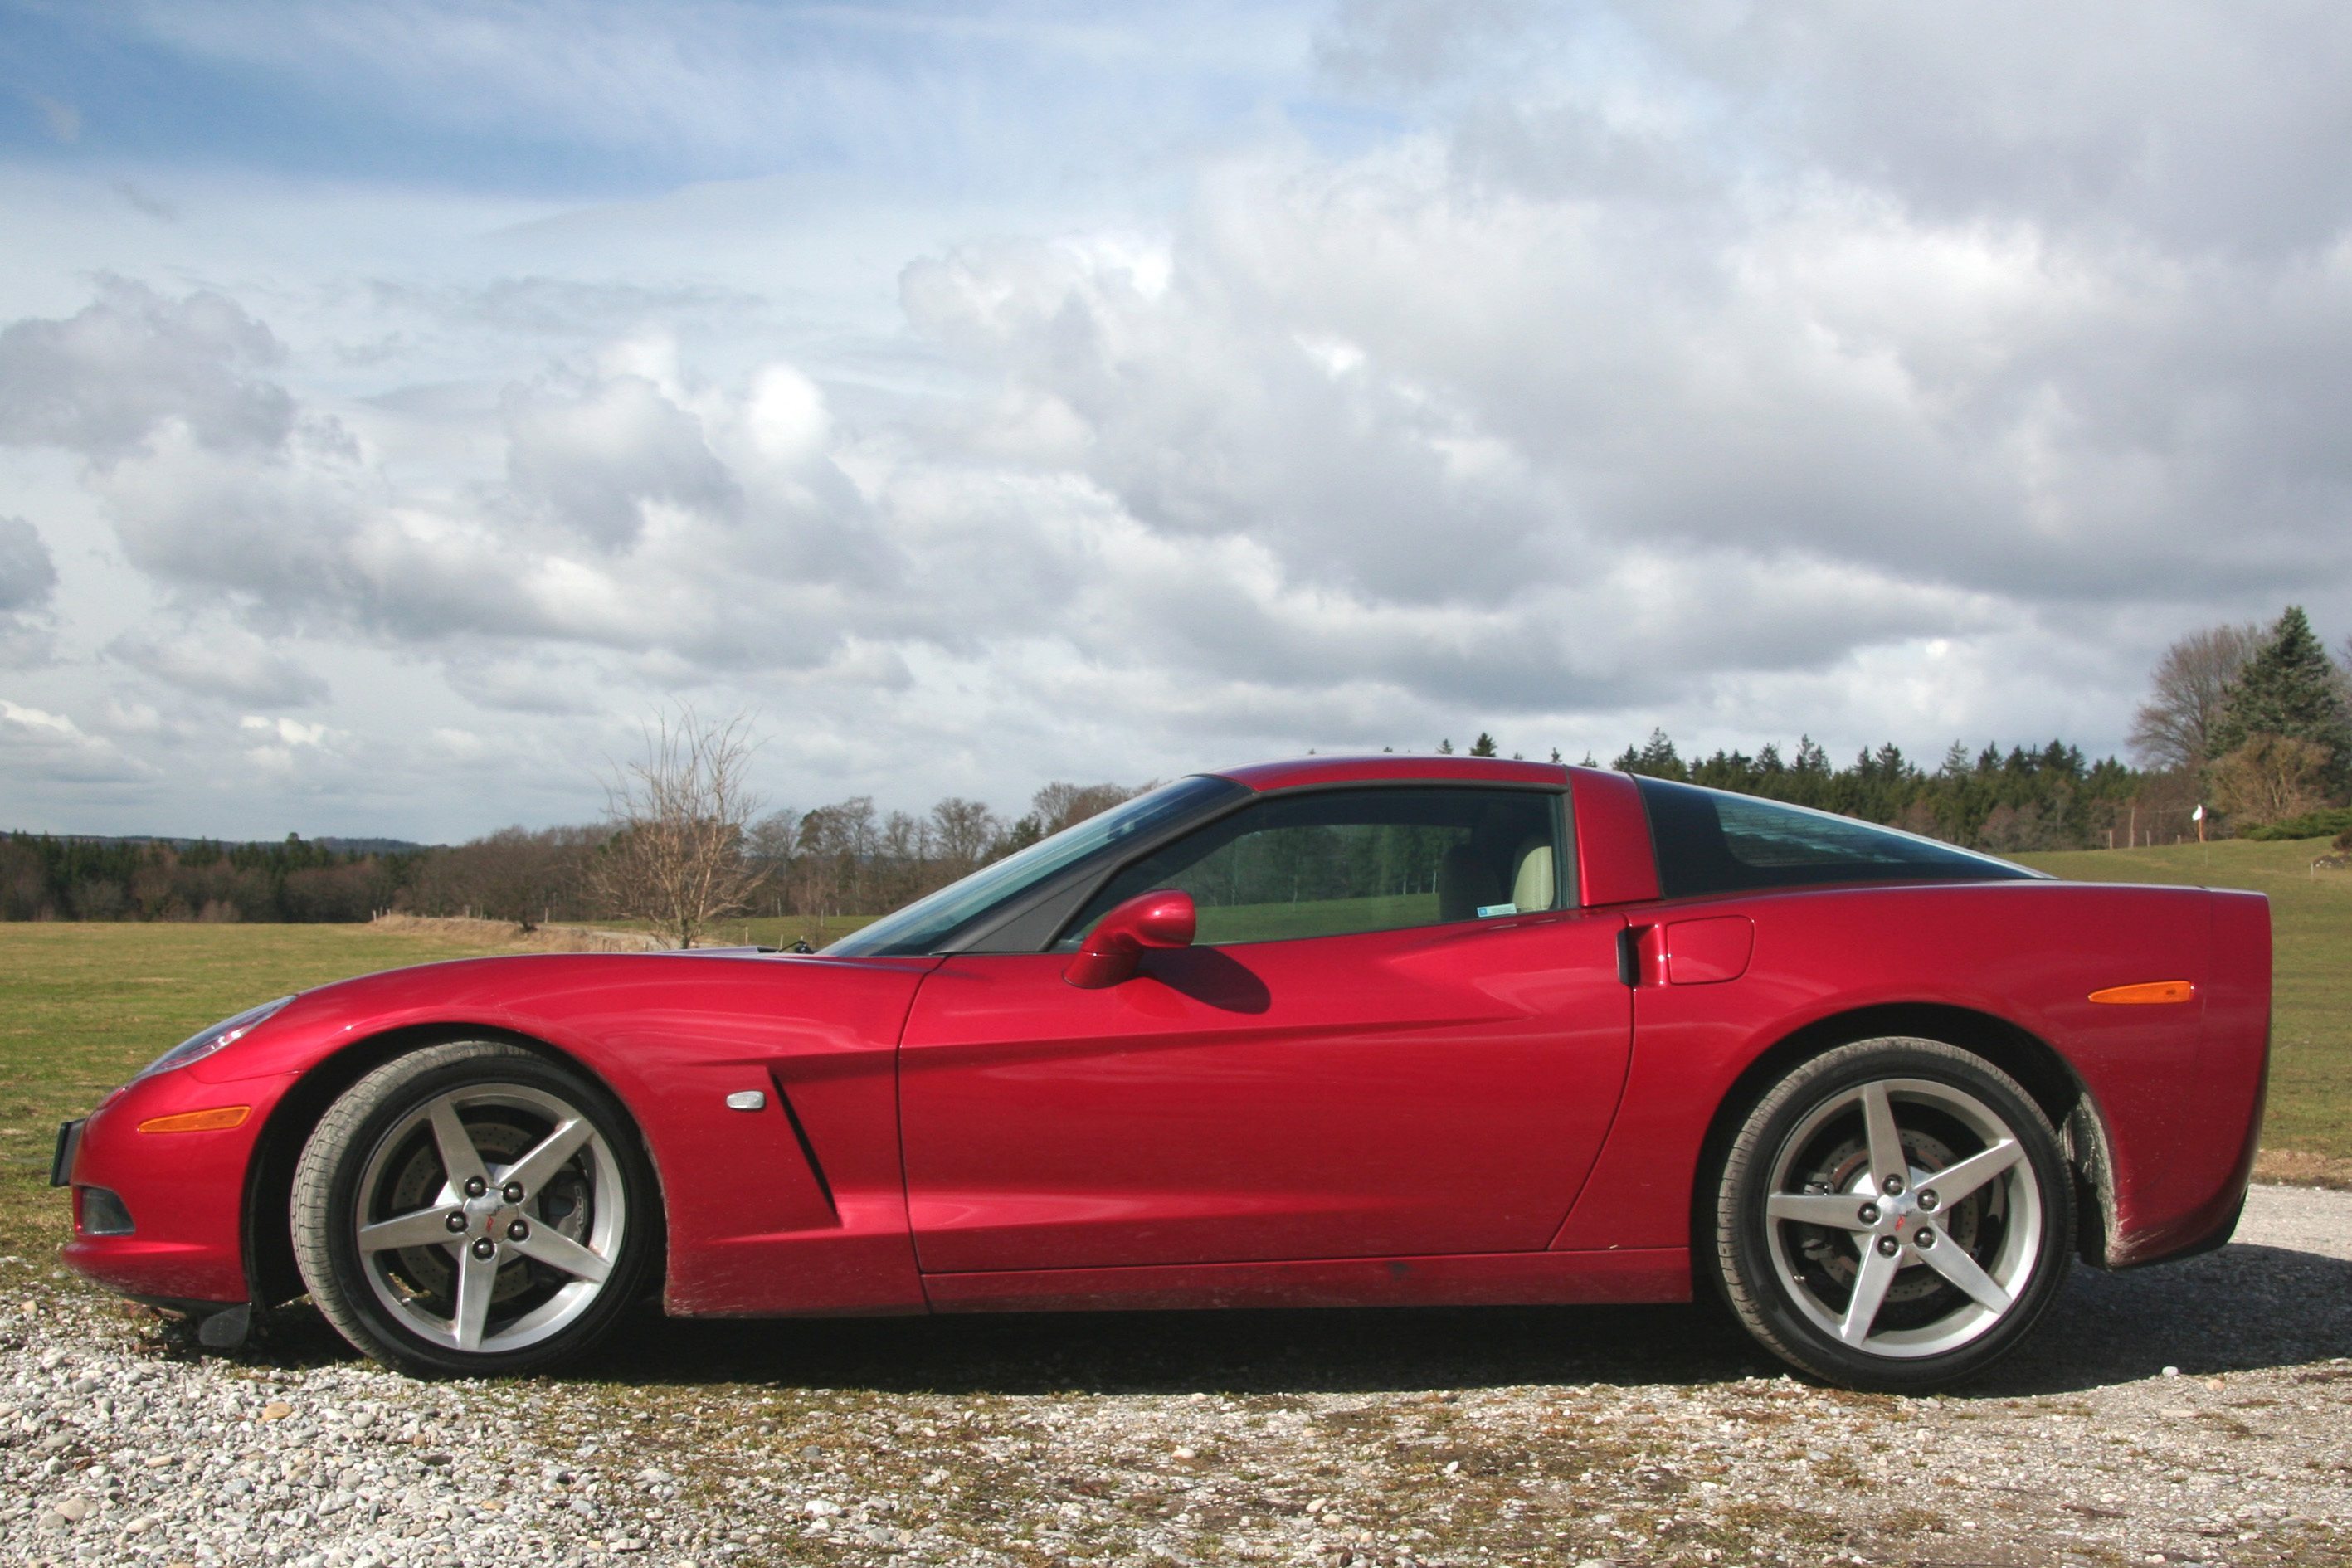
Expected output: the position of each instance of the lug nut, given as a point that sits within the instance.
(1924, 1238)
(1894, 1185)
(485, 1248)
(1928, 1198)
(1869, 1214)
(455, 1222)
(517, 1231)
(1887, 1246)
(475, 1186)
(512, 1192)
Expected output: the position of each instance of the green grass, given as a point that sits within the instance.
(82, 1007)
(2311, 936)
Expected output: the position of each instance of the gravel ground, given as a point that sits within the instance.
(2201, 1412)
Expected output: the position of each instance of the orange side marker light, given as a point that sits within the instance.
(219, 1119)
(2151, 991)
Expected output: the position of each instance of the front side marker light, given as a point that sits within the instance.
(2146, 994)
(219, 1119)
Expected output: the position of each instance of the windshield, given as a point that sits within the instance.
(922, 926)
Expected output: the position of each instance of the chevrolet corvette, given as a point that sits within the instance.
(1349, 1032)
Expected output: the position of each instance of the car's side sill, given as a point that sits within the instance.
(1493, 1279)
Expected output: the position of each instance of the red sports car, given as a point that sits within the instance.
(1337, 1031)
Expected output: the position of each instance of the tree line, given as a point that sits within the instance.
(845, 857)
(48, 877)
(2251, 723)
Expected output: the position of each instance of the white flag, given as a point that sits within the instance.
(2198, 814)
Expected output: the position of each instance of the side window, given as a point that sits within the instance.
(1709, 841)
(1344, 861)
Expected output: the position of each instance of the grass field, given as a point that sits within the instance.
(84, 1007)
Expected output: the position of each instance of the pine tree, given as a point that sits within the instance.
(1484, 746)
(1656, 758)
(2290, 688)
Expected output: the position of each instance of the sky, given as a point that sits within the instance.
(399, 403)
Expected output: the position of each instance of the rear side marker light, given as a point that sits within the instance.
(2151, 991)
(219, 1119)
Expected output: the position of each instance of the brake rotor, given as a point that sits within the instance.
(418, 1183)
(1839, 1253)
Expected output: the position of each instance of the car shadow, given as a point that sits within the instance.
(2242, 1308)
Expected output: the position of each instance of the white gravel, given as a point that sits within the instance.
(2196, 1413)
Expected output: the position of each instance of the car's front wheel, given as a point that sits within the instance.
(1894, 1214)
(474, 1209)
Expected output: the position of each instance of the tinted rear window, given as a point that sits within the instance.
(1709, 841)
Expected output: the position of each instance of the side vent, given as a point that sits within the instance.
(808, 1149)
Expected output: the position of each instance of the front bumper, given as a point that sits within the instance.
(161, 1214)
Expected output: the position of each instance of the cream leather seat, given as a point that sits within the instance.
(1534, 882)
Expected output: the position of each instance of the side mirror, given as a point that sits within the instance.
(1163, 917)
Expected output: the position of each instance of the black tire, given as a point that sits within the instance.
(1804, 1235)
(533, 1279)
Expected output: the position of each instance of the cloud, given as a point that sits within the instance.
(101, 381)
(1745, 370)
(227, 662)
(595, 454)
(2190, 127)
(286, 732)
(29, 582)
(28, 578)
(38, 747)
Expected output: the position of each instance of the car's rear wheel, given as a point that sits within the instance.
(1894, 1214)
(474, 1209)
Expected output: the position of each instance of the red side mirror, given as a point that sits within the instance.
(1162, 918)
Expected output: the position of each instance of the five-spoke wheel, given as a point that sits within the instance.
(1893, 1214)
(473, 1208)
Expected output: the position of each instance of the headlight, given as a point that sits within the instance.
(205, 1042)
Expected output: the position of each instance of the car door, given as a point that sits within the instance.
(1372, 1049)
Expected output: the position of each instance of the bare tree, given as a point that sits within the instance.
(1060, 805)
(2174, 728)
(961, 830)
(833, 856)
(679, 814)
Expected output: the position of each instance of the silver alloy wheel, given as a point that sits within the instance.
(1873, 1207)
(527, 1214)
